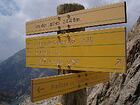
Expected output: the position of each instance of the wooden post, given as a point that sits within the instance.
(78, 97)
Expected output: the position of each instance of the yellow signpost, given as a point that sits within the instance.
(110, 14)
(100, 50)
(44, 88)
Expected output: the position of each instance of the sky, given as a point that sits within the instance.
(14, 14)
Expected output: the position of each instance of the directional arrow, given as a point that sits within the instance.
(39, 89)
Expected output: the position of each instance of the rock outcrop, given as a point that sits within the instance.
(135, 31)
(122, 89)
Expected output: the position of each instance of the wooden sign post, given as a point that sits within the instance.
(89, 55)
(43, 88)
(109, 14)
(80, 95)
(99, 51)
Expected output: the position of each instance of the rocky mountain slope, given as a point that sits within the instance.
(122, 89)
(15, 78)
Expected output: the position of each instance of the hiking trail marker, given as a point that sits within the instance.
(109, 14)
(97, 52)
(44, 88)
(100, 50)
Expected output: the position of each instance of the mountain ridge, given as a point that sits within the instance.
(15, 78)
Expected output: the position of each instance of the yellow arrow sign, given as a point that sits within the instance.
(100, 50)
(109, 14)
(44, 88)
